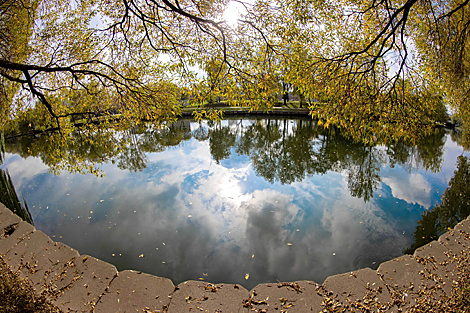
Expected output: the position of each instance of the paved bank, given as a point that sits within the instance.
(81, 283)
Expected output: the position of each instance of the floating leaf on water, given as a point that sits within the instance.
(247, 276)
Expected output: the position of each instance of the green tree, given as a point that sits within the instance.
(379, 69)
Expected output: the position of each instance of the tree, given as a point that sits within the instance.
(107, 56)
(382, 70)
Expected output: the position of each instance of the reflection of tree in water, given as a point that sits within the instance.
(201, 133)
(280, 150)
(427, 153)
(8, 195)
(11, 200)
(364, 176)
(287, 152)
(262, 142)
(221, 141)
(454, 207)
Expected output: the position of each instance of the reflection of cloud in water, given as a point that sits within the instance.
(204, 236)
(23, 169)
(360, 234)
(412, 188)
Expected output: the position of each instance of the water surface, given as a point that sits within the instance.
(275, 199)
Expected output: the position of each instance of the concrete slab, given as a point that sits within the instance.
(407, 281)
(463, 228)
(77, 285)
(13, 234)
(464, 225)
(299, 296)
(455, 241)
(199, 296)
(438, 264)
(36, 255)
(364, 285)
(132, 291)
(7, 217)
(3, 209)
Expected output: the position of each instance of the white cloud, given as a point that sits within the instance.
(21, 170)
(412, 188)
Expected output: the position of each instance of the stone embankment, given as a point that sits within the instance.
(81, 283)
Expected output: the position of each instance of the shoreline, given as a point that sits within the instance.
(78, 283)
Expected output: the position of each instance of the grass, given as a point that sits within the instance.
(17, 294)
(224, 107)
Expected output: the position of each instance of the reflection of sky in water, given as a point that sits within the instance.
(192, 218)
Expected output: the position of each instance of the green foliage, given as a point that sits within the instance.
(379, 70)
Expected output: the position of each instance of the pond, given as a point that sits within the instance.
(242, 201)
